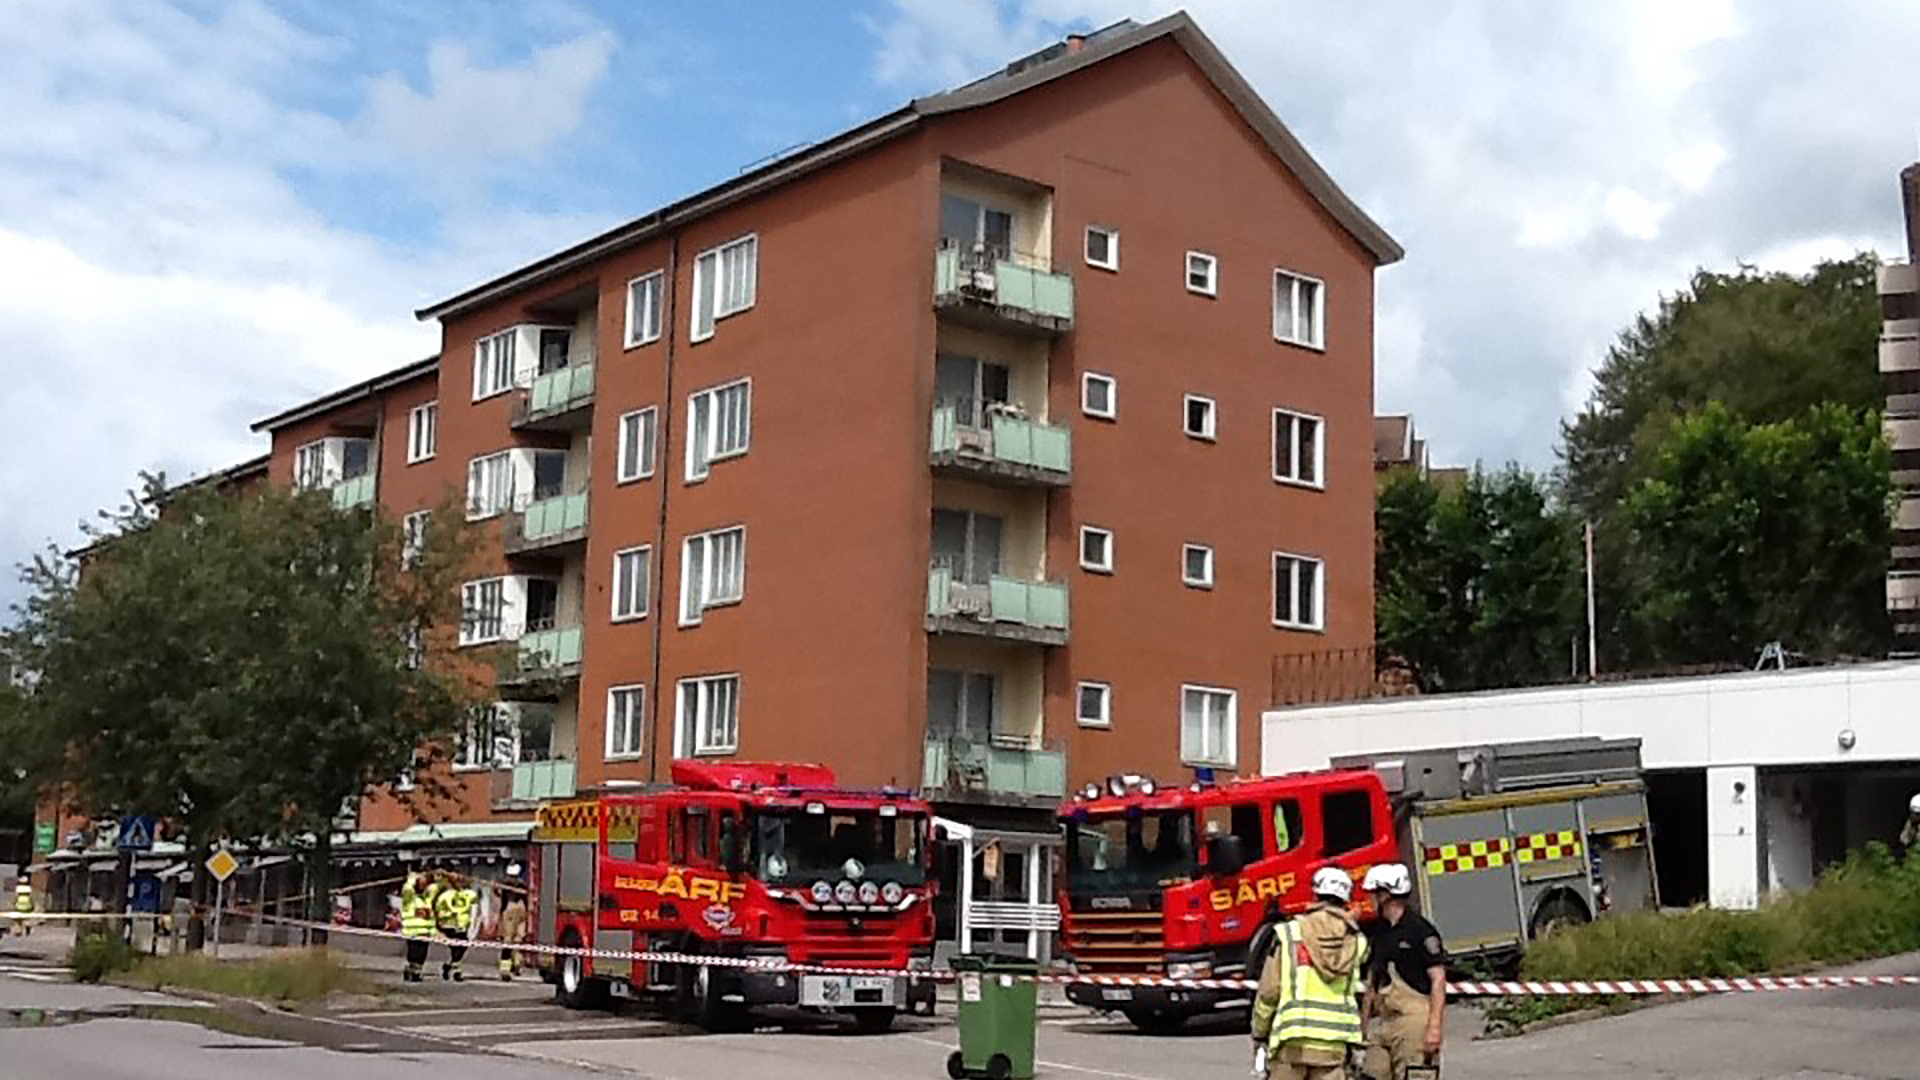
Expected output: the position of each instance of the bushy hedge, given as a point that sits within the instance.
(96, 956)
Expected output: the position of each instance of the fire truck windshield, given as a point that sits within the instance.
(1130, 852)
(796, 848)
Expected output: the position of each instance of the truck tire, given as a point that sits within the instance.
(1156, 1022)
(1259, 949)
(1557, 912)
(702, 1005)
(571, 986)
(873, 1021)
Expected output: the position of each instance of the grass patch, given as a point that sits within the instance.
(1867, 906)
(96, 956)
(297, 977)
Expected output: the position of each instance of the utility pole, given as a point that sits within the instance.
(1593, 641)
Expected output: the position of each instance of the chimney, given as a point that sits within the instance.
(1910, 202)
(1076, 42)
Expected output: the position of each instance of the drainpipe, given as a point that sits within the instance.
(668, 327)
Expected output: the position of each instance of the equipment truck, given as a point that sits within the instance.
(769, 862)
(1505, 843)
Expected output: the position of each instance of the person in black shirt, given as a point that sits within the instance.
(1406, 980)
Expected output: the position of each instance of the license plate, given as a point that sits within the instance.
(620, 988)
(1116, 993)
(837, 991)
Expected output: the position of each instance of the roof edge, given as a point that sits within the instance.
(366, 388)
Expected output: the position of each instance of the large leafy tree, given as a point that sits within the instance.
(1749, 533)
(1477, 584)
(245, 666)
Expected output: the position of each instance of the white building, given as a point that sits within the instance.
(1755, 780)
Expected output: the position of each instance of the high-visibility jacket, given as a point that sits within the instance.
(23, 898)
(416, 907)
(1311, 1009)
(453, 908)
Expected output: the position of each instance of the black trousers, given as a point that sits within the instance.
(459, 952)
(416, 950)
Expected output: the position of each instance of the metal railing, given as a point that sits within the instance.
(546, 647)
(559, 391)
(353, 491)
(1041, 605)
(1004, 279)
(966, 764)
(999, 432)
(532, 782)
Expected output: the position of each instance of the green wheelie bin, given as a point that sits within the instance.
(998, 1006)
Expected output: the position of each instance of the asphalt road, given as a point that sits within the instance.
(485, 1031)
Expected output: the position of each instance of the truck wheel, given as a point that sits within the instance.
(1259, 949)
(572, 986)
(705, 1008)
(1153, 1022)
(1557, 913)
(873, 1021)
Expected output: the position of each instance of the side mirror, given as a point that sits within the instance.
(733, 856)
(1226, 856)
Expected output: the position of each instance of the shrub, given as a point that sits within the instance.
(96, 956)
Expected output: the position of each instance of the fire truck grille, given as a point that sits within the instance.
(835, 939)
(1116, 942)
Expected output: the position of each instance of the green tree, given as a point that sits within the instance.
(245, 666)
(1476, 585)
(1748, 533)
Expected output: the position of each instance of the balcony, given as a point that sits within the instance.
(1004, 608)
(531, 783)
(548, 525)
(353, 492)
(544, 657)
(999, 291)
(993, 442)
(560, 400)
(1000, 771)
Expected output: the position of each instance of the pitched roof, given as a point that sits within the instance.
(384, 381)
(1041, 68)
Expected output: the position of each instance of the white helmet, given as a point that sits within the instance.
(1333, 883)
(1913, 805)
(1390, 878)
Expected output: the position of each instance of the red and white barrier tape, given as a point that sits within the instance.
(1468, 988)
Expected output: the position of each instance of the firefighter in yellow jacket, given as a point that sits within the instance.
(416, 920)
(1306, 1016)
(23, 903)
(453, 912)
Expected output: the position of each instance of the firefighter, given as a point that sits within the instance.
(417, 895)
(1910, 832)
(1306, 1017)
(513, 931)
(453, 913)
(23, 903)
(1407, 980)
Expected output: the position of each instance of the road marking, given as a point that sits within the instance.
(447, 1010)
(1049, 1064)
(32, 974)
(469, 1031)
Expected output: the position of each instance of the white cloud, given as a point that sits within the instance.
(512, 111)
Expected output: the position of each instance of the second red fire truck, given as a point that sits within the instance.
(742, 862)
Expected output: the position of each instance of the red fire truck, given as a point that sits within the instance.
(750, 861)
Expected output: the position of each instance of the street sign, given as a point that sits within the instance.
(136, 833)
(221, 864)
(43, 836)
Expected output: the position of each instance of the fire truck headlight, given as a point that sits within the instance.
(892, 892)
(869, 893)
(1148, 787)
(822, 892)
(845, 892)
(1199, 969)
(1116, 786)
(1091, 791)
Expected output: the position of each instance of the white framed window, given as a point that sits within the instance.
(1299, 309)
(1196, 565)
(632, 573)
(1094, 705)
(1203, 273)
(1299, 448)
(483, 611)
(724, 282)
(493, 365)
(1096, 549)
(1198, 416)
(490, 739)
(708, 718)
(423, 432)
(1097, 394)
(637, 430)
(719, 426)
(626, 721)
(644, 295)
(713, 572)
(310, 466)
(413, 536)
(1103, 247)
(489, 485)
(1209, 722)
(1299, 591)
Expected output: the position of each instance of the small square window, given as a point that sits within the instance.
(1095, 707)
(1199, 420)
(1103, 247)
(1097, 394)
(1096, 549)
(1196, 566)
(1203, 274)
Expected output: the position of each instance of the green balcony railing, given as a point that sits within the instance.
(548, 518)
(561, 390)
(964, 765)
(550, 649)
(357, 491)
(1038, 604)
(965, 429)
(1016, 286)
(536, 781)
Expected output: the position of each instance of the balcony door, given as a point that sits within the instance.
(970, 386)
(962, 705)
(549, 474)
(543, 603)
(972, 225)
(967, 544)
(555, 342)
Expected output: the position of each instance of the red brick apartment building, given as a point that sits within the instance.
(992, 447)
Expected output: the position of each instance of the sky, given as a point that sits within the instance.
(211, 210)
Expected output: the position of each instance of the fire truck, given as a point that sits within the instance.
(769, 862)
(1505, 844)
